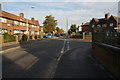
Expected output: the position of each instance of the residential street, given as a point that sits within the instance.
(78, 63)
(39, 59)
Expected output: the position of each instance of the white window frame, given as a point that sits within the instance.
(8, 24)
(21, 23)
(3, 31)
(3, 20)
(111, 24)
(16, 22)
(16, 31)
(93, 26)
(98, 25)
(33, 26)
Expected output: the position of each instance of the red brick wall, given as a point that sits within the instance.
(109, 57)
(88, 37)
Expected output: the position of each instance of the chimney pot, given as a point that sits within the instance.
(82, 23)
(32, 19)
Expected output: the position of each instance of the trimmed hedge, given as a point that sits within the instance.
(8, 38)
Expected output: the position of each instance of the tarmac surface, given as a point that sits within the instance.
(52, 58)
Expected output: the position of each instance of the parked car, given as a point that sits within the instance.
(57, 35)
(49, 36)
(63, 34)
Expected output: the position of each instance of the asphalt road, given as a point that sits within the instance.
(39, 59)
(78, 63)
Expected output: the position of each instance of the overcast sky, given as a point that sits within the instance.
(76, 11)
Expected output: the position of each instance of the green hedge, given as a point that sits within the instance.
(39, 36)
(8, 38)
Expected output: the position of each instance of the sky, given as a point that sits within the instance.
(75, 11)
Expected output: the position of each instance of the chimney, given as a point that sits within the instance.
(32, 19)
(107, 15)
(82, 23)
(21, 15)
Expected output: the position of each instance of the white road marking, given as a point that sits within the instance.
(62, 51)
(68, 47)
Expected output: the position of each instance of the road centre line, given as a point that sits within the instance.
(63, 46)
(68, 46)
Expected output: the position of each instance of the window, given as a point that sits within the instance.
(104, 25)
(33, 32)
(111, 24)
(16, 22)
(21, 23)
(93, 26)
(98, 25)
(3, 20)
(16, 31)
(8, 24)
(3, 31)
(33, 26)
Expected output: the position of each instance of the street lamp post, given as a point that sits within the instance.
(28, 26)
(67, 27)
(66, 24)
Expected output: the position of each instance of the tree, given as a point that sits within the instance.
(69, 32)
(61, 31)
(57, 29)
(73, 28)
(50, 23)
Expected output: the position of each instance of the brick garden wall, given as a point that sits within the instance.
(107, 51)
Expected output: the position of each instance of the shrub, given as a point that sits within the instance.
(12, 38)
(39, 36)
(8, 38)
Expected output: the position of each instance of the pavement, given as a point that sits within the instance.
(9, 46)
(15, 45)
(51, 58)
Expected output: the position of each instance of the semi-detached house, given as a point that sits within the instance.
(107, 24)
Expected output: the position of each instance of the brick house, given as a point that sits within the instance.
(93, 23)
(109, 23)
(86, 28)
(14, 24)
(113, 23)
